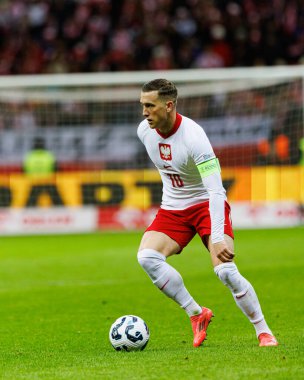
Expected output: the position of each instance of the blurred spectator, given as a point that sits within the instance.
(23, 116)
(284, 143)
(39, 161)
(208, 58)
(45, 36)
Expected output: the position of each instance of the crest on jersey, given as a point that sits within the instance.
(165, 152)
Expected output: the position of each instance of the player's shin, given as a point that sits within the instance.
(167, 279)
(244, 295)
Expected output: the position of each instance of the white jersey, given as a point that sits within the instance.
(176, 157)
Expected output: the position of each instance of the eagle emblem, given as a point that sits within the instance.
(165, 152)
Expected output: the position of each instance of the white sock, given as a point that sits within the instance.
(244, 295)
(262, 327)
(167, 279)
(193, 308)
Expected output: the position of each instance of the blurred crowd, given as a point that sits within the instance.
(55, 36)
(263, 125)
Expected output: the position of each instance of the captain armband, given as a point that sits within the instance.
(209, 167)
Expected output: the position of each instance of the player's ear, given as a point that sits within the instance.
(169, 106)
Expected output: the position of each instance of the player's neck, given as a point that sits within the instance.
(169, 125)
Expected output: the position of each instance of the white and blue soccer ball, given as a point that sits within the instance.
(129, 333)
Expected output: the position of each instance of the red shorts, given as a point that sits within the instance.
(182, 225)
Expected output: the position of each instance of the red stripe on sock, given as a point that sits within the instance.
(164, 285)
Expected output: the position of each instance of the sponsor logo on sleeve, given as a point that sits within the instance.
(208, 156)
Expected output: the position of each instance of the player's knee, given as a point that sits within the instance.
(230, 276)
(225, 272)
(150, 259)
(145, 262)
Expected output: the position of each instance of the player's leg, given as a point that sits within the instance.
(154, 248)
(243, 293)
(153, 251)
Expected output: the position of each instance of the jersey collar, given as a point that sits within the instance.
(176, 125)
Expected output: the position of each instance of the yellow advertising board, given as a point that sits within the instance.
(142, 188)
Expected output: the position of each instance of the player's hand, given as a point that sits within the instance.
(222, 252)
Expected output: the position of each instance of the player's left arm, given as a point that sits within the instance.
(211, 177)
(210, 171)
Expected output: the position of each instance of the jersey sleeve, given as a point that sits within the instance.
(217, 197)
(200, 145)
(209, 169)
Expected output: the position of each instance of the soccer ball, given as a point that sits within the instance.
(129, 333)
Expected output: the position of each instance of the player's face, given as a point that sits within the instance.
(155, 110)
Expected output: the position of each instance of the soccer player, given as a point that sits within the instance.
(193, 201)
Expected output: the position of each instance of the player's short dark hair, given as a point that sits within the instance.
(165, 88)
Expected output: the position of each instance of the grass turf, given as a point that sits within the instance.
(60, 294)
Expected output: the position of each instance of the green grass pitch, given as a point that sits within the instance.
(60, 294)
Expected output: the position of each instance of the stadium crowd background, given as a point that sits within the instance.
(54, 36)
